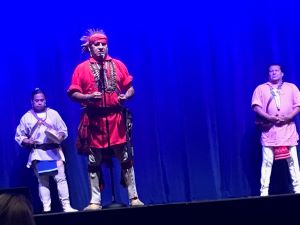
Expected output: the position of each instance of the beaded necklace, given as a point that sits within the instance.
(110, 84)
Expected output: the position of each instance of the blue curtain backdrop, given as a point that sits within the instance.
(195, 65)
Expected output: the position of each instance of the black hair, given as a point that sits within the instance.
(37, 91)
(15, 209)
(276, 64)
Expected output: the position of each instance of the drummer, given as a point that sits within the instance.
(41, 130)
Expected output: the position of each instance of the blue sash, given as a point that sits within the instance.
(46, 166)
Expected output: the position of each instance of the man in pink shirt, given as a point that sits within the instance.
(102, 84)
(276, 103)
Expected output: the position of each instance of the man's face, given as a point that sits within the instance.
(98, 49)
(38, 102)
(275, 73)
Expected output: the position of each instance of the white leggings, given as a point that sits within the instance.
(94, 160)
(266, 169)
(62, 186)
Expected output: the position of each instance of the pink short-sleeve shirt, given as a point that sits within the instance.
(285, 135)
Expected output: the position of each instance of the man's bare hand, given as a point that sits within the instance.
(94, 96)
(122, 97)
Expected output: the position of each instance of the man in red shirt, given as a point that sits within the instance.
(101, 84)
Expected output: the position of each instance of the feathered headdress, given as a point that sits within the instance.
(91, 36)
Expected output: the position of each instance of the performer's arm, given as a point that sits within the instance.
(77, 96)
(129, 93)
(28, 143)
(258, 109)
(289, 117)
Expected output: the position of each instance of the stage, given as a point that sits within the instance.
(277, 209)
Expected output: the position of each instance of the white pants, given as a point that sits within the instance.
(94, 160)
(266, 169)
(62, 186)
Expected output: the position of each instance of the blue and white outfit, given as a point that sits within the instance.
(33, 125)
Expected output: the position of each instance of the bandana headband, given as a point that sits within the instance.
(97, 37)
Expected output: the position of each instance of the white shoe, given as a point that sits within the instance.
(46, 209)
(92, 206)
(297, 189)
(136, 202)
(264, 193)
(69, 209)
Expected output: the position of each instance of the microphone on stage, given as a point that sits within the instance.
(102, 56)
